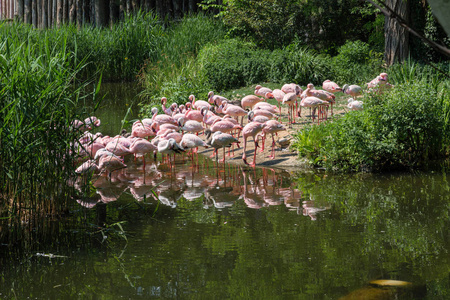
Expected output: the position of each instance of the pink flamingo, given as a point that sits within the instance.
(161, 119)
(290, 99)
(266, 106)
(87, 167)
(250, 101)
(321, 94)
(167, 110)
(331, 86)
(278, 95)
(168, 147)
(251, 129)
(119, 146)
(263, 112)
(291, 88)
(215, 99)
(234, 111)
(191, 141)
(271, 127)
(262, 91)
(199, 103)
(142, 146)
(352, 90)
(93, 121)
(258, 119)
(209, 117)
(194, 115)
(140, 129)
(314, 102)
(110, 164)
(190, 126)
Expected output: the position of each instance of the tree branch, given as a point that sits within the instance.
(391, 14)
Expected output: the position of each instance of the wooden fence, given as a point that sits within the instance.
(48, 13)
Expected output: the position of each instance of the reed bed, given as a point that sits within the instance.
(40, 95)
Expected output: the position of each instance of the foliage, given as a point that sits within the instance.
(173, 73)
(356, 62)
(39, 101)
(404, 128)
(275, 24)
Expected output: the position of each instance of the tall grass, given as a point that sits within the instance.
(38, 102)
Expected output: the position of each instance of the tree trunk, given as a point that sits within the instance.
(396, 37)
(79, 10)
(34, 12)
(65, 11)
(72, 11)
(27, 11)
(44, 14)
(20, 10)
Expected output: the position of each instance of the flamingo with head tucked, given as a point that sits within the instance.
(331, 86)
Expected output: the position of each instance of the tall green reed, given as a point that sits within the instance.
(40, 95)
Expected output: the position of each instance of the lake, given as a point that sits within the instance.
(194, 228)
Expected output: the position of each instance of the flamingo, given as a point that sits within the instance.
(161, 119)
(233, 111)
(313, 102)
(292, 88)
(215, 99)
(190, 141)
(354, 104)
(119, 146)
(278, 95)
(263, 112)
(290, 99)
(94, 121)
(168, 147)
(220, 140)
(190, 125)
(199, 103)
(331, 86)
(142, 146)
(209, 117)
(271, 127)
(251, 129)
(352, 90)
(261, 91)
(259, 119)
(87, 167)
(321, 94)
(250, 101)
(167, 110)
(110, 164)
(192, 114)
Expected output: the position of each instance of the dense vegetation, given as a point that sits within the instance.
(39, 101)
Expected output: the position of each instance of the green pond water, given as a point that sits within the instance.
(193, 228)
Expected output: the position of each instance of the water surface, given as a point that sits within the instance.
(192, 228)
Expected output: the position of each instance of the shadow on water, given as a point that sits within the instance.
(195, 228)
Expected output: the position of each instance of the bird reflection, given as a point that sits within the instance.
(218, 186)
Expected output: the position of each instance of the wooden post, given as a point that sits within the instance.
(44, 14)
(27, 11)
(34, 12)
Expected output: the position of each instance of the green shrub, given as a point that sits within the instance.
(404, 128)
(356, 63)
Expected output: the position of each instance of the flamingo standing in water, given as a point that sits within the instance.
(142, 146)
(110, 164)
(168, 147)
(220, 140)
(251, 130)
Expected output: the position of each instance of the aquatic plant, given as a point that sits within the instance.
(39, 100)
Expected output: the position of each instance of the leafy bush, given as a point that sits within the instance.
(356, 63)
(174, 73)
(400, 129)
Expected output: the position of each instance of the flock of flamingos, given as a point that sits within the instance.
(179, 128)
